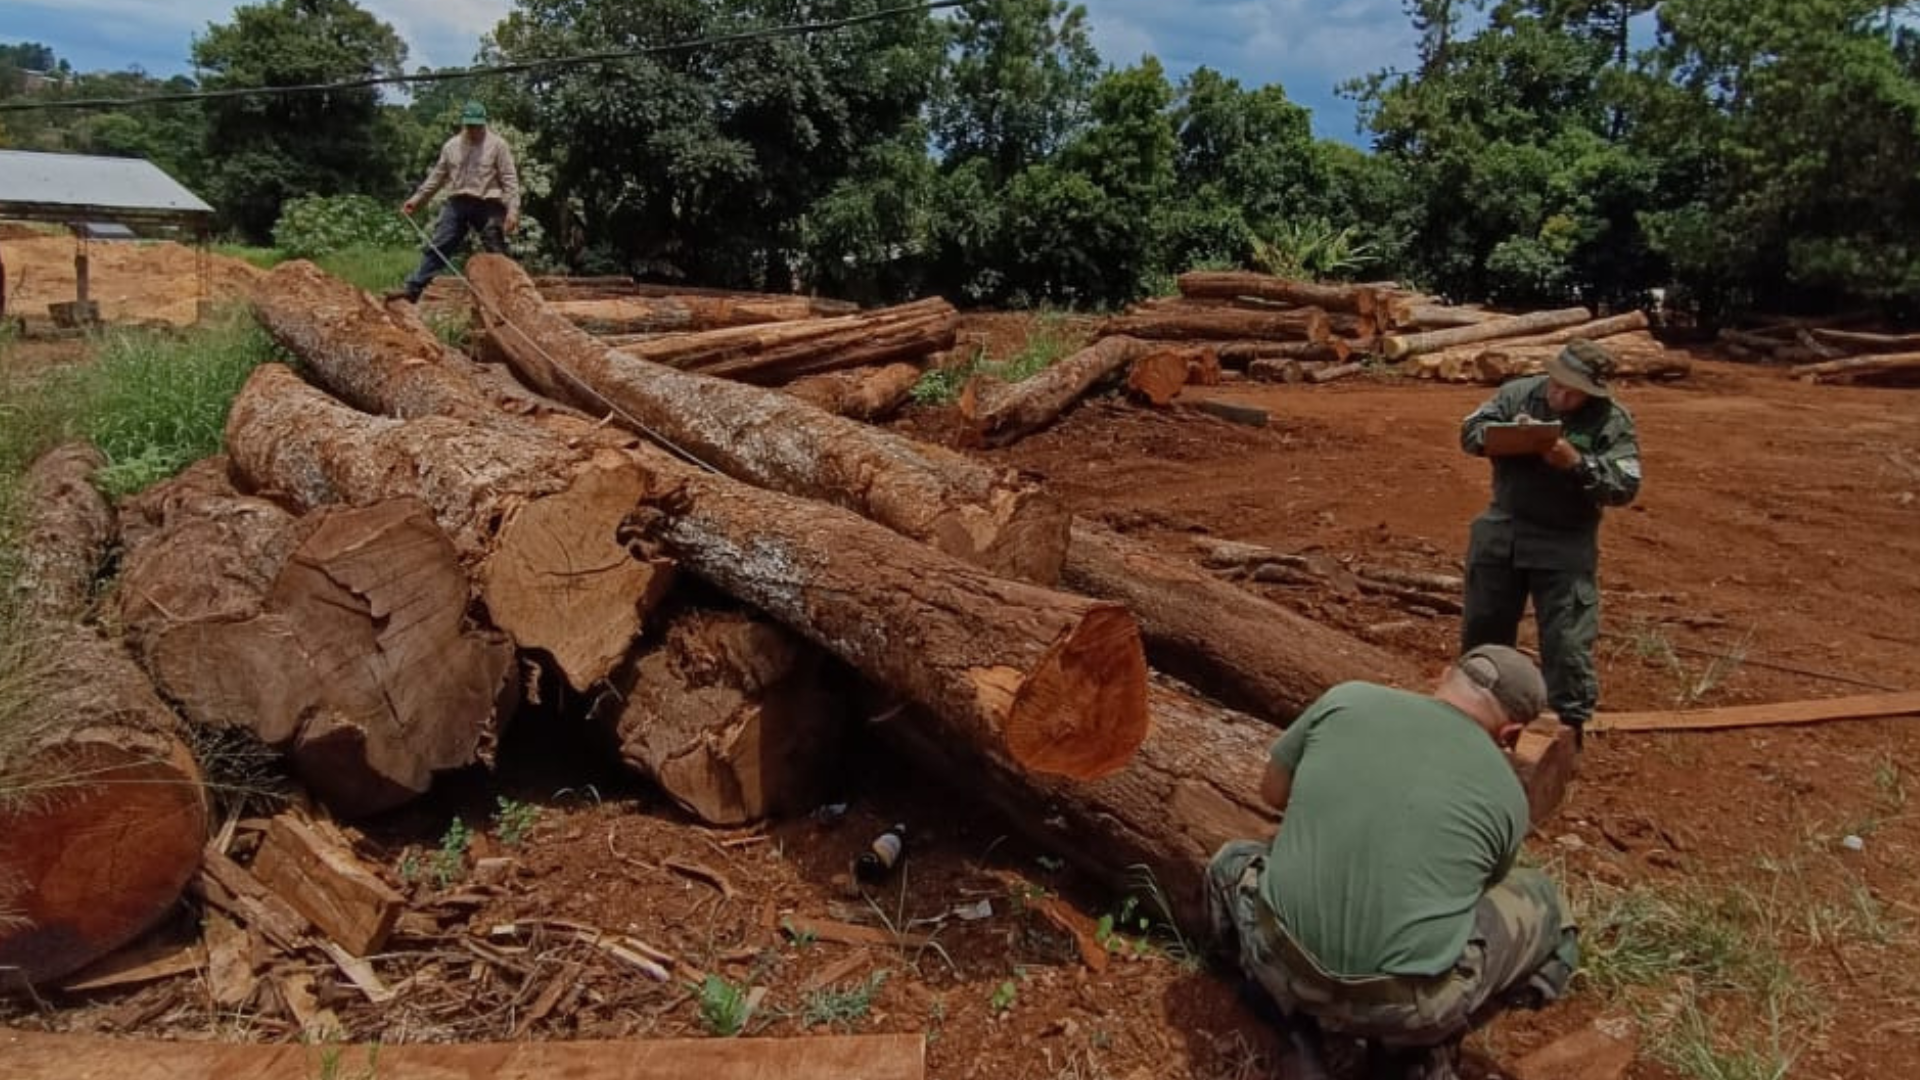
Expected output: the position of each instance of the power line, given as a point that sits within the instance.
(447, 74)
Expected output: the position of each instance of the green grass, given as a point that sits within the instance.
(841, 1008)
(373, 269)
(723, 1006)
(1050, 341)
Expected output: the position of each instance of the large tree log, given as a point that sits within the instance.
(1158, 377)
(102, 813)
(776, 353)
(1401, 346)
(1887, 367)
(534, 519)
(732, 715)
(768, 438)
(1236, 647)
(1441, 316)
(338, 640)
(869, 395)
(1635, 355)
(1598, 330)
(1221, 324)
(1244, 353)
(679, 314)
(1000, 413)
(1355, 299)
(1856, 341)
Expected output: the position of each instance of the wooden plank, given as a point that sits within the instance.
(1862, 707)
(328, 884)
(139, 964)
(31, 1055)
(848, 934)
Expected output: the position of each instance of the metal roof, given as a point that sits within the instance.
(75, 187)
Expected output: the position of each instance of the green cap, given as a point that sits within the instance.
(1583, 366)
(474, 113)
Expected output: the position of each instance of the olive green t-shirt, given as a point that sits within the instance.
(1403, 811)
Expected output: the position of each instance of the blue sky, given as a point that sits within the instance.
(1308, 46)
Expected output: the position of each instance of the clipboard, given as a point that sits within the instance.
(1517, 440)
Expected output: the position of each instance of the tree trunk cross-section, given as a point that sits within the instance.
(866, 394)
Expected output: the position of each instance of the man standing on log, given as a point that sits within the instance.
(1541, 536)
(483, 196)
(1388, 905)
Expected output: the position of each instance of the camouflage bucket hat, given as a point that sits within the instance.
(1583, 366)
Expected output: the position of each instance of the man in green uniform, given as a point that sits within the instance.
(1541, 536)
(1388, 905)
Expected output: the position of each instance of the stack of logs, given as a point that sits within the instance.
(391, 552)
(1829, 354)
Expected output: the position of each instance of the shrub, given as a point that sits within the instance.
(319, 225)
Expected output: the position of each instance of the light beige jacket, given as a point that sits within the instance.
(485, 171)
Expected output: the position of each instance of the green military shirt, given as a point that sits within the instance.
(1543, 518)
(1403, 811)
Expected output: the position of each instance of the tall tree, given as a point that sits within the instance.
(1019, 85)
(265, 149)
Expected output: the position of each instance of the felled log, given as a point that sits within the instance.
(1598, 330)
(1291, 372)
(339, 640)
(534, 520)
(1856, 341)
(1334, 372)
(104, 814)
(1203, 367)
(869, 395)
(1635, 355)
(733, 716)
(581, 288)
(775, 353)
(1221, 324)
(768, 438)
(999, 413)
(1401, 346)
(1158, 377)
(1442, 316)
(1236, 647)
(1883, 368)
(1355, 299)
(1244, 353)
(678, 314)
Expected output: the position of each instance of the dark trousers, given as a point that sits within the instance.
(1566, 605)
(461, 215)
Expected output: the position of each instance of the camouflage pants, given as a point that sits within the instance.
(1522, 951)
(1566, 604)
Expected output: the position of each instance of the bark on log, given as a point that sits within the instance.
(767, 438)
(678, 314)
(1000, 413)
(1158, 377)
(564, 288)
(1291, 372)
(1334, 372)
(1886, 367)
(869, 395)
(1856, 341)
(1244, 353)
(1598, 330)
(1203, 367)
(777, 353)
(338, 640)
(1635, 355)
(1236, 647)
(536, 521)
(733, 716)
(1442, 316)
(102, 814)
(1228, 324)
(1354, 299)
(1401, 346)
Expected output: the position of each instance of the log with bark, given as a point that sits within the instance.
(102, 810)
(1238, 648)
(776, 353)
(577, 288)
(1635, 355)
(1158, 377)
(1600, 330)
(534, 519)
(1244, 353)
(1854, 341)
(999, 413)
(967, 509)
(339, 640)
(1882, 368)
(732, 715)
(1401, 346)
(678, 314)
(1221, 324)
(1353, 299)
(1291, 372)
(1441, 316)
(870, 395)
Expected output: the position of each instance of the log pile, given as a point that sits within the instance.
(1832, 350)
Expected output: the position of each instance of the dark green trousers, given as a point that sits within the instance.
(1566, 604)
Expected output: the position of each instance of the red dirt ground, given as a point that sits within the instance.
(1777, 517)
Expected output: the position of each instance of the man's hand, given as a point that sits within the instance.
(513, 222)
(1561, 455)
(408, 207)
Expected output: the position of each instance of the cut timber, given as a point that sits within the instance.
(1888, 367)
(1291, 372)
(1158, 377)
(732, 715)
(1635, 355)
(644, 314)
(866, 394)
(1244, 353)
(775, 353)
(1441, 316)
(1856, 341)
(1000, 413)
(1335, 372)
(966, 509)
(1203, 368)
(1598, 330)
(104, 814)
(1239, 648)
(1545, 757)
(1863, 707)
(1035, 678)
(1225, 324)
(67, 531)
(319, 876)
(1355, 299)
(27, 1055)
(534, 518)
(340, 640)
(1401, 346)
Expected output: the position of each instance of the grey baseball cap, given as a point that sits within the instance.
(1509, 676)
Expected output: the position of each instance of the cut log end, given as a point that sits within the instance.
(1083, 711)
